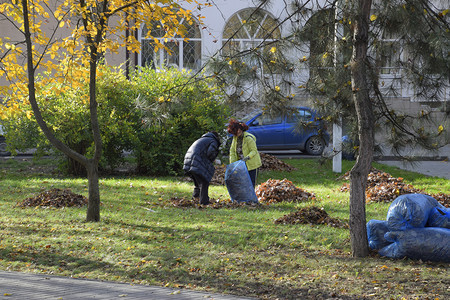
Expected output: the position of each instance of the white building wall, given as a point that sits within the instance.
(215, 18)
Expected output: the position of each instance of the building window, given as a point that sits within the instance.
(390, 55)
(179, 52)
(249, 29)
(319, 30)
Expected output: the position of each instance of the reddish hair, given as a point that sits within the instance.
(234, 126)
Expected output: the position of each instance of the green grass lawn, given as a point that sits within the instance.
(142, 238)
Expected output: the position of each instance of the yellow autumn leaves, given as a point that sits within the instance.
(62, 61)
(162, 99)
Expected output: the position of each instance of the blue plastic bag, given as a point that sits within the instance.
(439, 217)
(239, 183)
(410, 211)
(428, 244)
(376, 230)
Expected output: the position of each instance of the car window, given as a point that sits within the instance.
(301, 115)
(249, 116)
(266, 119)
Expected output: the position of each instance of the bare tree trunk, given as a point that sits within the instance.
(93, 211)
(364, 111)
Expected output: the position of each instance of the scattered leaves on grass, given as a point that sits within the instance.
(269, 163)
(214, 203)
(271, 191)
(311, 215)
(55, 198)
(383, 187)
(274, 190)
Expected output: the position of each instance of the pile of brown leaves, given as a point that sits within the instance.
(383, 187)
(442, 198)
(274, 190)
(55, 198)
(214, 203)
(311, 215)
(219, 175)
(270, 162)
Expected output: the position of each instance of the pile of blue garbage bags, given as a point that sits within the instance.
(417, 226)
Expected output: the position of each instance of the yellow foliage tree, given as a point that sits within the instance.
(58, 38)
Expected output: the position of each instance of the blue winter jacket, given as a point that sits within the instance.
(199, 158)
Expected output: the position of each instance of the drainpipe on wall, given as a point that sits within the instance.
(136, 55)
(337, 126)
(127, 52)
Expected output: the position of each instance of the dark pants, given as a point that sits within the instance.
(200, 189)
(253, 174)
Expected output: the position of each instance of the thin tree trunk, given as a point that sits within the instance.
(364, 111)
(93, 211)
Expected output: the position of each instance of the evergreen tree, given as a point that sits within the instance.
(354, 61)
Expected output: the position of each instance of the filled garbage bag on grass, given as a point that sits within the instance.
(239, 183)
(376, 230)
(439, 217)
(410, 211)
(429, 243)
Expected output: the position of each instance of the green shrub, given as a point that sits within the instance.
(175, 110)
(67, 113)
(156, 115)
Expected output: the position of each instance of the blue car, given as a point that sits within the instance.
(300, 129)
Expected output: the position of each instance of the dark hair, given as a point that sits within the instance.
(216, 134)
(234, 126)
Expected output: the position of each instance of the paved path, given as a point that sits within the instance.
(23, 286)
(430, 168)
(432, 164)
(436, 164)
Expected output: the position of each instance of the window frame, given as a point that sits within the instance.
(252, 40)
(162, 55)
(387, 68)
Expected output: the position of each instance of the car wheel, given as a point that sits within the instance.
(3, 151)
(315, 146)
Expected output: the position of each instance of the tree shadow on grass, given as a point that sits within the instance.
(177, 264)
